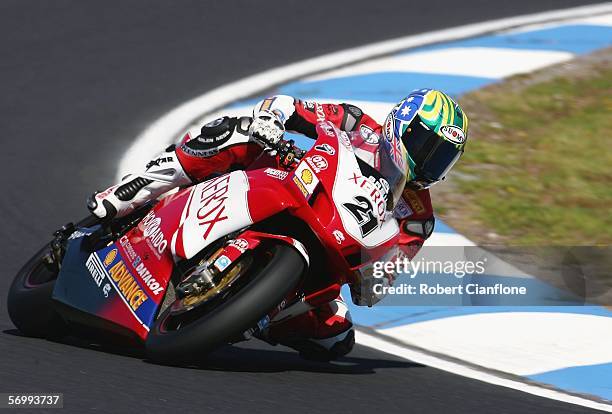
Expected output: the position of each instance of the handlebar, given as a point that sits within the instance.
(288, 152)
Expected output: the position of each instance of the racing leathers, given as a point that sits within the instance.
(227, 144)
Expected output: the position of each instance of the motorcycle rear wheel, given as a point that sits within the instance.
(267, 286)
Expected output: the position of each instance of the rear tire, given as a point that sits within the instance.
(265, 290)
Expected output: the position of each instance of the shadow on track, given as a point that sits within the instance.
(244, 357)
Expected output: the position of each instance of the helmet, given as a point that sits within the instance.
(432, 128)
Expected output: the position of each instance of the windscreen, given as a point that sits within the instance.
(377, 157)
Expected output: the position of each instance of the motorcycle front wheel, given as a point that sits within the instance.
(177, 338)
(29, 302)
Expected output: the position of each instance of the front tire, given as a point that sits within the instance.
(267, 287)
(29, 300)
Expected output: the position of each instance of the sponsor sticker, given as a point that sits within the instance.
(263, 323)
(402, 210)
(124, 241)
(377, 190)
(110, 257)
(127, 285)
(389, 128)
(222, 263)
(329, 131)
(345, 140)
(241, 244)
(110, 271)
(147, 277)
(307, 176)
(453, 134)
(279, 174)
(213, 139)
(301, 186)
(339, 236)
(414, 201)
(305, 179)
(112, 268)
(204, 153)
(368, 134)
(317, 162)
(95, 270)
(266, 104)
(213, 198)
(319, 112)
(326, 148)
(158, 161)
(308, 105)
(78, 234)
(153, 234)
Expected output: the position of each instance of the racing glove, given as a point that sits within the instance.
(266, 128)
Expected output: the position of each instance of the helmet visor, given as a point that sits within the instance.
(432, 155)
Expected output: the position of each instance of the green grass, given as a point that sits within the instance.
(538, 166)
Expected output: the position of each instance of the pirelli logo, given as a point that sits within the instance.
(95, 269)
(414, 201)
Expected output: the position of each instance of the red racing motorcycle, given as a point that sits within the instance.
(220, 261)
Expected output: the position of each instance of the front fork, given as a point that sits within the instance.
(57, 247)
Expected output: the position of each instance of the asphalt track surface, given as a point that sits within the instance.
(79, 80)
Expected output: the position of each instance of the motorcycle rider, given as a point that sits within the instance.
(429, 124)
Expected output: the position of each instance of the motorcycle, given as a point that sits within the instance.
(222, 261)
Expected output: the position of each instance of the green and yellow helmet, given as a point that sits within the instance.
(433, 130)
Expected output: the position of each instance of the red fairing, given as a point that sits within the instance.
(308, 114)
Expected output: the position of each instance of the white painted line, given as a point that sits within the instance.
(605, 20)
(599, 20)
(448, 239)
(168, 128)
(481, 62)
(377, 110)
(471, 372)
(520, 343)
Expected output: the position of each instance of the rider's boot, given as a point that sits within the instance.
(322, 334)
(162, 174)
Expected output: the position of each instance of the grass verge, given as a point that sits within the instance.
(538, 165)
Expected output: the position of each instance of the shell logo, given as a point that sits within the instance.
(307, 176)
(110, 257)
